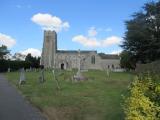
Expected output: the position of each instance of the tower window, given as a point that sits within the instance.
(93, 59)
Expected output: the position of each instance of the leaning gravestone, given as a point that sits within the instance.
(22, 79)
(41, 77)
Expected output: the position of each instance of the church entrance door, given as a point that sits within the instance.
(62, 66)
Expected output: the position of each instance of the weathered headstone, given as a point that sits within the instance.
(22, 79)
(30, 69)
(9, 69)
(41, 77)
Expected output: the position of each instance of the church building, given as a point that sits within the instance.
(70, 59)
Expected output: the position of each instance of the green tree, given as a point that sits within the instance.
(3, 51)
(142, 38)
(127, 60)
(34, 61)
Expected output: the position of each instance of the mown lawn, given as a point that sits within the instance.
(98, 98)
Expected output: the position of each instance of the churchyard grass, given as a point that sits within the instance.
(97, 98)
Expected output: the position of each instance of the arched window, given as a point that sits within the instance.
(93, 59)
(108, 66)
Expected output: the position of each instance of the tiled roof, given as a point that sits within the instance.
(108, 56)
(74, 51)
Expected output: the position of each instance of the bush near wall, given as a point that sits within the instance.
(143, 102)
(13, 65)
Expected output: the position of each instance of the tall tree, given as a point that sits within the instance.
(142, 38)
(127, 61)
(3, 51)
(34, 62)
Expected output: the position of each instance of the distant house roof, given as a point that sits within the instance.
(74, 51)
(108, 56)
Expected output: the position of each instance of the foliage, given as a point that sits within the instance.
(143, 102)
(13, 65)
(93, 99)
(30, 61)
(34, 61)
(3, 51)
(142, 37)
(126, 60)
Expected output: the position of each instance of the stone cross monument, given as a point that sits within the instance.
(79, 76)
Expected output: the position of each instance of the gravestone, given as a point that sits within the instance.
(41, 77)
(9, 69)
(22, 79)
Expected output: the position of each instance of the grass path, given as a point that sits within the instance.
(95, 99)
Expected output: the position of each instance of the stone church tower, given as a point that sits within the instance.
(49, 49)
(73, 59)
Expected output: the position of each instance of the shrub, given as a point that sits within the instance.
(13, 65)
(143, 100)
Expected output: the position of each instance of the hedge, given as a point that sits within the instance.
(13, 65)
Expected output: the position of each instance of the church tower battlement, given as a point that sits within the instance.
(49, 49)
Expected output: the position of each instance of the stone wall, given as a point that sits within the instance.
(151, 67)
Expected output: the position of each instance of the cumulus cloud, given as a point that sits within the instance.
(92, 32)
(87, 42)
(49, 22)
(111, 41)
(93, 42)
(34, 52)
(7, 40)
(116, 52)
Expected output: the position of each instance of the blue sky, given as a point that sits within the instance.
(80, 24)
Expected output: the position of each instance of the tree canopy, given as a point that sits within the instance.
(34, 62)
(3, 51)
(142, 37)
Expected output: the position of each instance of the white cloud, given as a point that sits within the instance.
(92, 32)
(65, 25)
(93, 42)
(49, 22)
(85, 41)
(116, 52)
(7, 40)
(34, 52)
(111, 41)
